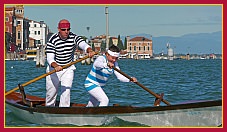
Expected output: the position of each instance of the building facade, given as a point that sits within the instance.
(10, 29)
(139, 47)
(38, 32)
(17, 26)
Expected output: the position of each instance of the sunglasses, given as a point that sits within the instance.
(65, 29)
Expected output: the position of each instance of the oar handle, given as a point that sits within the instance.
(142, 86)
(46, 74)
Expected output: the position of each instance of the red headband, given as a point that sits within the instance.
(63, 25)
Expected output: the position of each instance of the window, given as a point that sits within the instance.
(144, 48)
(37, 42)
(18, 35)
(134, 48)
(38, 32)
(35, 32)
(34, 25)
(6, 19)
(18, 22)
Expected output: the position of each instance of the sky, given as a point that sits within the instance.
(125, 20)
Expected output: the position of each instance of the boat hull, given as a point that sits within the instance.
(199, 117)
(194, 114)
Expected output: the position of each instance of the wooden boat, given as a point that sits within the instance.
(194, 114)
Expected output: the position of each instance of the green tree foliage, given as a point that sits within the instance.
(125, 44)
(110, 41)
(93, 46)
(103, 46)
(119, 43)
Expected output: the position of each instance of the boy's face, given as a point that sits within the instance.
(111, 59)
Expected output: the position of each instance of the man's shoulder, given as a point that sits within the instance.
(72, 34)
(54, 35)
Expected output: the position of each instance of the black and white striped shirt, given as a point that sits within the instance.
(62, 51)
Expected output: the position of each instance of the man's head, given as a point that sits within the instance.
(113, 53)
(64, 28)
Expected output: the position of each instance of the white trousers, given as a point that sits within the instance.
(64, 79)
(97, 98)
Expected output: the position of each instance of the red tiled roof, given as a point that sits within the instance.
(140, 39)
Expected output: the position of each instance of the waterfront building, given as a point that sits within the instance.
(17, 26)
(97, 45)
(114, 40)
(38, 32)
(10, 29)
(98, 41)
(139, 47)
(10, 25)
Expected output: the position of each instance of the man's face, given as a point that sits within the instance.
(64, 32)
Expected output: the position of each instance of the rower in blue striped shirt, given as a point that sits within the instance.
(99, 74)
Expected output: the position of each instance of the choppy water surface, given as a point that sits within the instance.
(179, 80)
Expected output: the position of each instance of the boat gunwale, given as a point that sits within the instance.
(109, 109)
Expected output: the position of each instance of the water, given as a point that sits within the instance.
(179, 80)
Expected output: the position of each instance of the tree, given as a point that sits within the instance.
(93, 46)
(103, 46)
(125, 44)
(119, 43)
(110, 41)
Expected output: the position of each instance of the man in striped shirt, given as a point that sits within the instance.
(60, 51)
(99, 75)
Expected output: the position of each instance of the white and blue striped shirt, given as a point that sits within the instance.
(62, 51)
(100, 73)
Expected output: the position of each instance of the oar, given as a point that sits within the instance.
(148, 90)
(46, 74)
